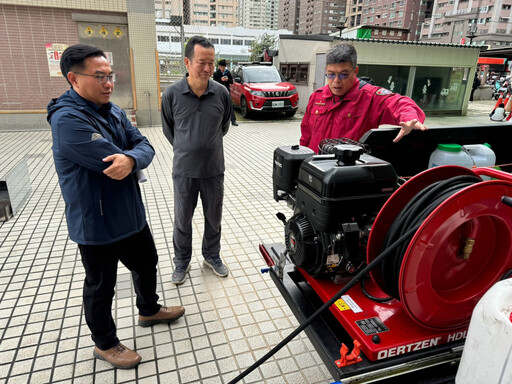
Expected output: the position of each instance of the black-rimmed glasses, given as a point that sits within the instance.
(102, 79)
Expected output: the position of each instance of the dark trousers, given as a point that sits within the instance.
(472, 93)
(138, 254)
(233, 116)
(186, 191)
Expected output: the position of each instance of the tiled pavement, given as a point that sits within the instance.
(229, 323)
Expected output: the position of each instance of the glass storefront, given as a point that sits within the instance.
(434, 89)
(391, 77)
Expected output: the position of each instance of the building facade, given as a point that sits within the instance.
(198, 12)
(438, 77)
(35, 34)
(258, 14)
(408, 14)
(311, 17)
(289, 15)
(484, 22)
(354, 13)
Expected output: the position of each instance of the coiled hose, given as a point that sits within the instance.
(413, 214)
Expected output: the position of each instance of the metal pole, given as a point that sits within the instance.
(182, 38)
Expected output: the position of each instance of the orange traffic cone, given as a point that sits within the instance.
(508, 104)
(500, 100)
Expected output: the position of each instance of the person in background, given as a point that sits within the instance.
(498, 114)
(97, 153)
(349, 107)
(223, 76)
(195, 117)
(474, 87)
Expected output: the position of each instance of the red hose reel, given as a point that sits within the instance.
(459, 251)
(439, 283)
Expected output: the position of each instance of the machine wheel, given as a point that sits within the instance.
(244, 108)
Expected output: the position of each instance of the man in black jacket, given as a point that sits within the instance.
(223, 76)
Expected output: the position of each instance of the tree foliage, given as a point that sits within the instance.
(265, 41)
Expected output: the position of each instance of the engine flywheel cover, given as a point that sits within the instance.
(300, 242)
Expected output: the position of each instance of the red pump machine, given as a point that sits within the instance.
(451, 238)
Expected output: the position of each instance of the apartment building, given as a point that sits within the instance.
(407, 14)
(311, 17)
(258, 14)
(198, 12)
(354, 13)
(484, 22)
(289, 15)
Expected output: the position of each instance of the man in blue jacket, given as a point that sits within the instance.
(98, 154)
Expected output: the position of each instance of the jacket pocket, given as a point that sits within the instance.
(318, 114)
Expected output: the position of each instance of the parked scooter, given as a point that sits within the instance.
(501, 87)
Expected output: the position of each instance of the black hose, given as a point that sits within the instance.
(413, 214)
(340, 293)
(371, 297)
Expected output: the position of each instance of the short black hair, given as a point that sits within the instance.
(193, 41)
(342, 53)
(501, 105)
(73, 58)
(222, 62)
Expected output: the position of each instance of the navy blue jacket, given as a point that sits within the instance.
(99, 210)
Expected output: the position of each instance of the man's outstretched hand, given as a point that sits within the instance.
(407, 127)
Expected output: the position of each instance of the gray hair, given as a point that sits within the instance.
(341, 53)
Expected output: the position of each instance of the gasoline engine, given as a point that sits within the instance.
(335, 197)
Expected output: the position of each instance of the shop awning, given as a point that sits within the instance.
(492, 60)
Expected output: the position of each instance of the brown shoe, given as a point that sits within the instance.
(119, 356)
(164, 315)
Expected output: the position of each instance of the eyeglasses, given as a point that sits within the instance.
(102, 79)
(341, 76)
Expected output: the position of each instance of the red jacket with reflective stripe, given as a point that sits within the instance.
(361, 109)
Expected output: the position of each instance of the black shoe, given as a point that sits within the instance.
(234, 123)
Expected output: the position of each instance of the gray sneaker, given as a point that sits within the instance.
(218, 267)
(180, 274)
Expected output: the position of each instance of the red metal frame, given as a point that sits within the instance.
(266, 256)
(401, 335)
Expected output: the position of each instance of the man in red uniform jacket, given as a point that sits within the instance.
(348, 107)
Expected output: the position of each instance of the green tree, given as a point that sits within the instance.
(263, 42)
